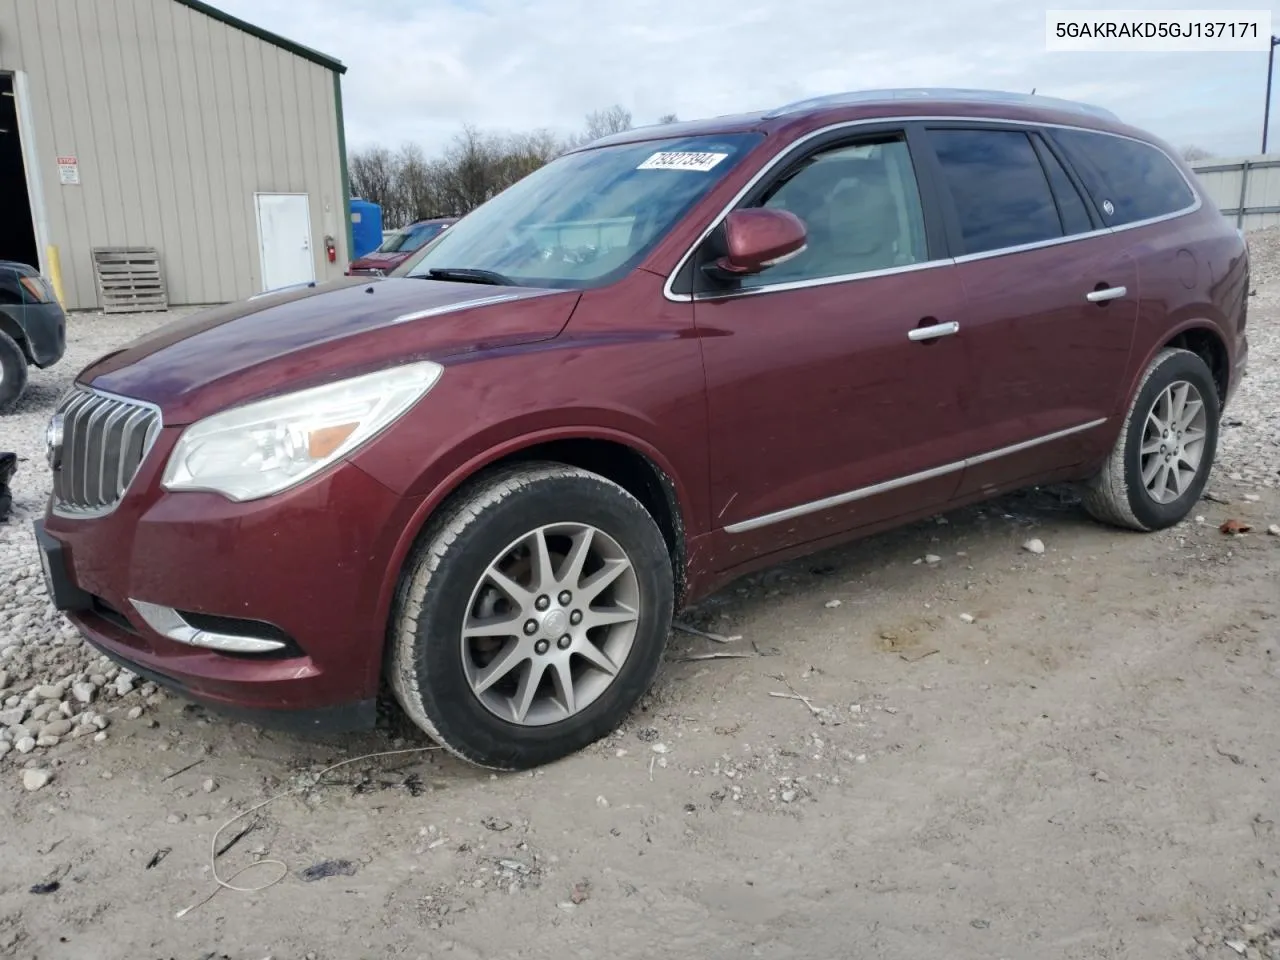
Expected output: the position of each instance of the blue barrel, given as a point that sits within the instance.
(366, 227)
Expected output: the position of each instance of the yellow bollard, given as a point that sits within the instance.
(55, 273)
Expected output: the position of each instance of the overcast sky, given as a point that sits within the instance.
(419, 69)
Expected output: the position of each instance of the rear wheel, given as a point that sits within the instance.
(532, 616)
(1162, 458)
(13, 370)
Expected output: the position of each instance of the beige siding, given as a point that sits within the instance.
(177, 120)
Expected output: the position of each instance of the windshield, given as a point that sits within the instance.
(586, 218)
(410, 238)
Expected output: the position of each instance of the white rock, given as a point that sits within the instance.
(1034, 545)
(47, 740)
(788, 796)
(1252, 497)
(601, 802)
(25, 745)
(58, 728)
(932, 558)
(36, 779)
(66, 709)
(832, 604)
(659, 748)
(209, 785)
(123, 686)
(84, 692)
(100, 737)
(101, 722)
(4, 679)
(1274, 530)
(967, 618)
(13, 716)
(134, 713)
(49, 691)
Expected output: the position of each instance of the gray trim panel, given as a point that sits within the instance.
(851, 496)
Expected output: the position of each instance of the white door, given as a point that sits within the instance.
(284, 239)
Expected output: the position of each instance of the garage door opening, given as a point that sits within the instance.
(17, 229)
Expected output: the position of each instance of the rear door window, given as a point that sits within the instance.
(998, 187)
(1128, 179)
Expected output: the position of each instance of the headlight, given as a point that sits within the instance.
(265, 447)
(40, 289)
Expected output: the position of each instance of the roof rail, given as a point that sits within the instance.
(941, 93)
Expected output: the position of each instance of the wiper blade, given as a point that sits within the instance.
(470, 275)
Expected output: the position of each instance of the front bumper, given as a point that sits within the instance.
(311, 562)
(45, 326)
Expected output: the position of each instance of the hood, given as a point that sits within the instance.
(380, 261)
(301, 337)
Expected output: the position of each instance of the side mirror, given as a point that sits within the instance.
(757, 239)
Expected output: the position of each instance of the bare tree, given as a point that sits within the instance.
(1196, 153)
(601, 123)
(668, 118)
(473, 168)
(373, 175)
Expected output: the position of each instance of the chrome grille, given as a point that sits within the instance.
(104, 439)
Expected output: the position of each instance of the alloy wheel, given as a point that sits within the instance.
(1173, 441)
(550, 624)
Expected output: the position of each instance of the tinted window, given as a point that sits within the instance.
(1071, 208)
(1136, 179)
(999, 188)
(861, 209)
(411, 238)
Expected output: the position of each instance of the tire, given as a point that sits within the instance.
(1118, 494)
(13, 370)
(439, 676)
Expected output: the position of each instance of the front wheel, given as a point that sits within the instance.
(1162, 458)
(532, 616)
(13, 370)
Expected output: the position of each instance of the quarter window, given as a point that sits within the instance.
(861, 208)
(1001, 195)
(1071, 208)
(1131, 179)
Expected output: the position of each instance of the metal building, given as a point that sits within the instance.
(171, 125)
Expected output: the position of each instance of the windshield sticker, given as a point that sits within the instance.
(682, 160)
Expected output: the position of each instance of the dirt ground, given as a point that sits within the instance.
(1089, 769)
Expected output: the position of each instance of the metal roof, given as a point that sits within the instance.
(954, 94)
(284, 43)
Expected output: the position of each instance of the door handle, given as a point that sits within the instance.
(1105, 294)
(933, 332)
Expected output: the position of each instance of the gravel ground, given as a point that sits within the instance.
(998, 751)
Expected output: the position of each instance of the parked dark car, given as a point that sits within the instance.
(33, 327)
(398, 247)
(671, 357)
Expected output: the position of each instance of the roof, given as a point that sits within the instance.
(870, 104)
(943, 95)
(284, 43)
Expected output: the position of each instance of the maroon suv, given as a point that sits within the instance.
(399, 247)
(668, 358)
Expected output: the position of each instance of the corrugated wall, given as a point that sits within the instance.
(1245, 189)
(176, 119)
